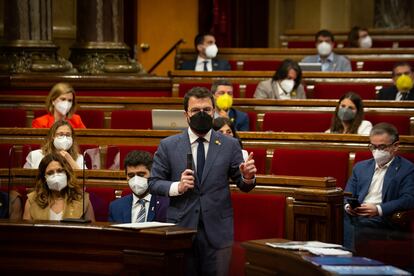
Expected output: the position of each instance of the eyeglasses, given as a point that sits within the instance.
(208, 110)
(62, 134)
(379, 147)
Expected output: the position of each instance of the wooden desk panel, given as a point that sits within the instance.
(51, 248)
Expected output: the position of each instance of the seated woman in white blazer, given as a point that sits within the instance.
(61, 139)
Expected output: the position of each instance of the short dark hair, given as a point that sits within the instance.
(199, 39)
(283, 70)
(217, 83)
(385, 128)
(401, 63)
(324, 33)
(199, 93)
(137, 157)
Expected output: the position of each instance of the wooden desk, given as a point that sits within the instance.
(52, 248)
(264, 260)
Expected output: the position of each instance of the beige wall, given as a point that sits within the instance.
(160, 24)
(64, 25)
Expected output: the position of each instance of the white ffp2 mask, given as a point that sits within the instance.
(57, 181)
(63, 142)
(211, 51)
(138, 185)
(63, 107)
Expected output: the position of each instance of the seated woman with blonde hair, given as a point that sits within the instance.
(60, 139)
(60, 105)
(57, 194)
(349, 115)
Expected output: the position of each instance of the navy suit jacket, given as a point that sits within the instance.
(398, 187)
(390, 93)
(240, 119)
(120, 209)
(217, 64)
(210, 199)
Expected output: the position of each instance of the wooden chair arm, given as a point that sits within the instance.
(403, 218)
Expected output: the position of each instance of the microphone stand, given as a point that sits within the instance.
(82, 219)
(9, 182)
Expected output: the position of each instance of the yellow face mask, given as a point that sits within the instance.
(404, 83)
(224, 102)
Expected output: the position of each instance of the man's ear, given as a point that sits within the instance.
(200, 48)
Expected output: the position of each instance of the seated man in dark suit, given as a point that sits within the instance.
(205, 45)
(402, 76)
(223, 94)
(383, 185)
(140, 206)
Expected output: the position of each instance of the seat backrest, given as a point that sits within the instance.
(252, 120)
(259, 156)
(315, 163)
(12, 117)
(258, 216)
(261, 65)
(250, 89)
(185, 87)
(116, 161)
(401, 122)
(131, 119)
(336, 90)
(100, 198)
(92, 156)
(92, 118)
(296, 121)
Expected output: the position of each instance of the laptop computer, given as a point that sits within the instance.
(168, 119)
(311, 66)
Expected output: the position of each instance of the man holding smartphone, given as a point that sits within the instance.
(381, 185)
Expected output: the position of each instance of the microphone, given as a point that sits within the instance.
(82, 218)
(189, 161)
(9, 181)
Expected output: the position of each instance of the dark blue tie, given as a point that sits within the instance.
(205, 65)
(201, 158)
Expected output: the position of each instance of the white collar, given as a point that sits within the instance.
(135, 198)
(200, 60)
(193, 137)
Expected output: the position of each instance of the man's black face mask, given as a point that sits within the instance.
(201, 122)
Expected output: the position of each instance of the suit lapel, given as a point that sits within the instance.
(127, 210)
(364, 189)
(389, 175)
(213, 149)
(151, 209)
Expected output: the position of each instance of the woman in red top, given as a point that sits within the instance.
(61, 105)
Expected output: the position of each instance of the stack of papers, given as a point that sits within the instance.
(314, 247)
(142, 225)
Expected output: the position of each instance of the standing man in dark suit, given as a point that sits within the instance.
(200, 194)
(402, 77)
(223, 94)
(205, 45)
(140, 206)
(383, 185)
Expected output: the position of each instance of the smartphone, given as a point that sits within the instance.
(354, 202)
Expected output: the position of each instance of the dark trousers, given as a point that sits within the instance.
(357, 228)
(204, 259)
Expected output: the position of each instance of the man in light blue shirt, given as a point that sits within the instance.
(325, 42)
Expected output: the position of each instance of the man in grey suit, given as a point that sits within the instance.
(205, 45)
(325, 42)
(200, 198)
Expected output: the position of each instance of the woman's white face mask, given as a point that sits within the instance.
(57, 181)
(63, 107)
(63, 142)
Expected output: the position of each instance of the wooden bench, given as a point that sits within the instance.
(312, 202)
(358, 57)
(269, 141)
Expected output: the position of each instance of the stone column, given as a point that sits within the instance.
(99, 46)
(28, 45)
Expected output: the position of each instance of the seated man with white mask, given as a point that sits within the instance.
(381, 187)
(205, 45)
(140, 206)
(325, 42)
